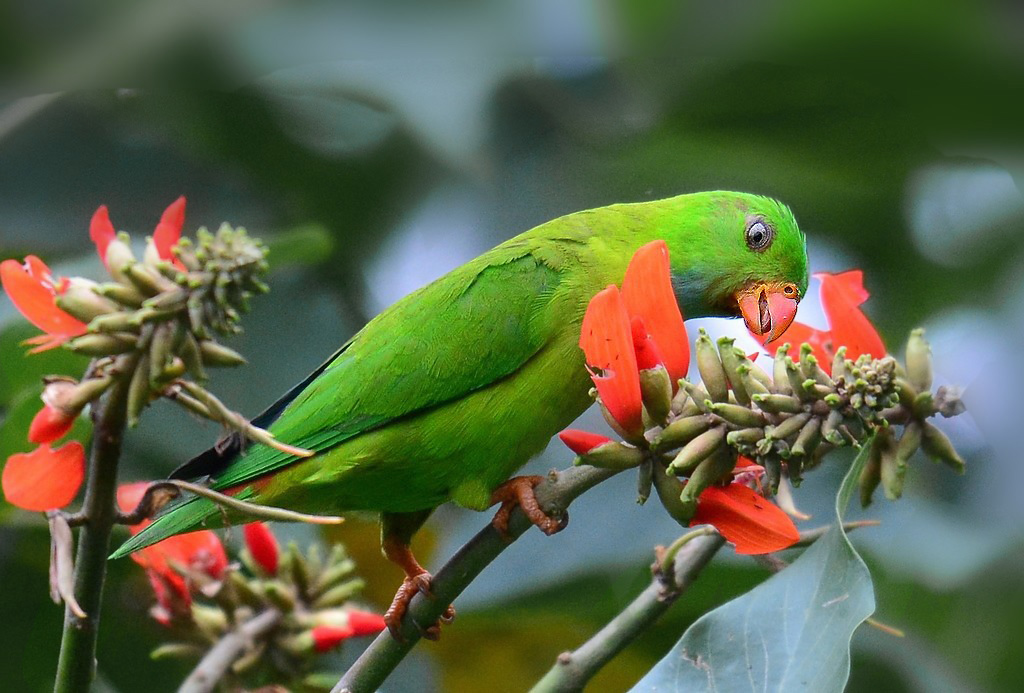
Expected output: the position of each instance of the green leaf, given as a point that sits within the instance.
(791, 632)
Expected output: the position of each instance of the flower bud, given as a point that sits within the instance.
(781, 379)
(737, 415)
(669, 488)
(656, 393)
(745, 436)
(262, 546)
(910, 442)
(710, 367)
(582, 442)
(937, 446)
(81, 301)
(215, 354)
(778, 404)
(788, 427)
(808, 439)
(697, 450)
(731, 362)
(870, 475)
(893, 470)
(118, 256)
(124, 295)
(102, 344)
(612, 455)
(839, 369)
(681, 431)
(751, 383)
(710, 471)
(919, 360)
(644, 481)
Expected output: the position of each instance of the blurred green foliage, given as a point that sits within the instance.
(374, 147)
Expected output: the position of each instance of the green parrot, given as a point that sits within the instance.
(449, 391)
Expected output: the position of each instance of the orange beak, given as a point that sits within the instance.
(768, 309)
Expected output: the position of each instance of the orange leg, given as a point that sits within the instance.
(519, 490)
(396, 548)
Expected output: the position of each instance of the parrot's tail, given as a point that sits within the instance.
(193, 514)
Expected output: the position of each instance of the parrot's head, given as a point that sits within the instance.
(741, 255)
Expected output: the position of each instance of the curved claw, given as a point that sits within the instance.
(519, 491)
(393, 617)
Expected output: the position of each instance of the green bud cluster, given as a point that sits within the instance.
(308, 590)
(789, 420)
(157, 321)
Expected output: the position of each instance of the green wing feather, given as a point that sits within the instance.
(473, 327)
(466, 331)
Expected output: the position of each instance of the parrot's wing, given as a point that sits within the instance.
(475, 326)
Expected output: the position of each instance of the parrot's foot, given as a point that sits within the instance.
(519, 491)
(411, 586)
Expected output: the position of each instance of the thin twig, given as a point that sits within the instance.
(262, 512)
(572, 670)
(385, 653)
(212, 667)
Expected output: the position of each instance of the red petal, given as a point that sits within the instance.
(101, 231)
(647, 354)
(29, 288)
(262, 545)
(328, 637)
(751, 522)
(841, 294)
(582, 442)
(365, 622)
(849, 284)
(607, 342)
(168, 231)
(49, 424)
(44, 479)
(647, 292)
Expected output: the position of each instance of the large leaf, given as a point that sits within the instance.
(792, 632)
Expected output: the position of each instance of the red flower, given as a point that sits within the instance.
(352, 624)
(101, 231)
(607, 342)
(648, 294)
(168, 231)
(44, 479)
(50, 424)
(841, 297)
(639, 327)
(582, 442)
(262, 546)
(33, 290)
(199, 551)
(748, 520)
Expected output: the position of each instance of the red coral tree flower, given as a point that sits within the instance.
(262, 545)
(841, 297)
(200, 551)
(642, 327)
(44, 479)
(33, 291)
(346, 624)
(748, 520)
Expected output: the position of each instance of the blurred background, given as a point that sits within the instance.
(376, 149)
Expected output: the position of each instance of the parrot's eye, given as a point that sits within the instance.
(759, 235)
